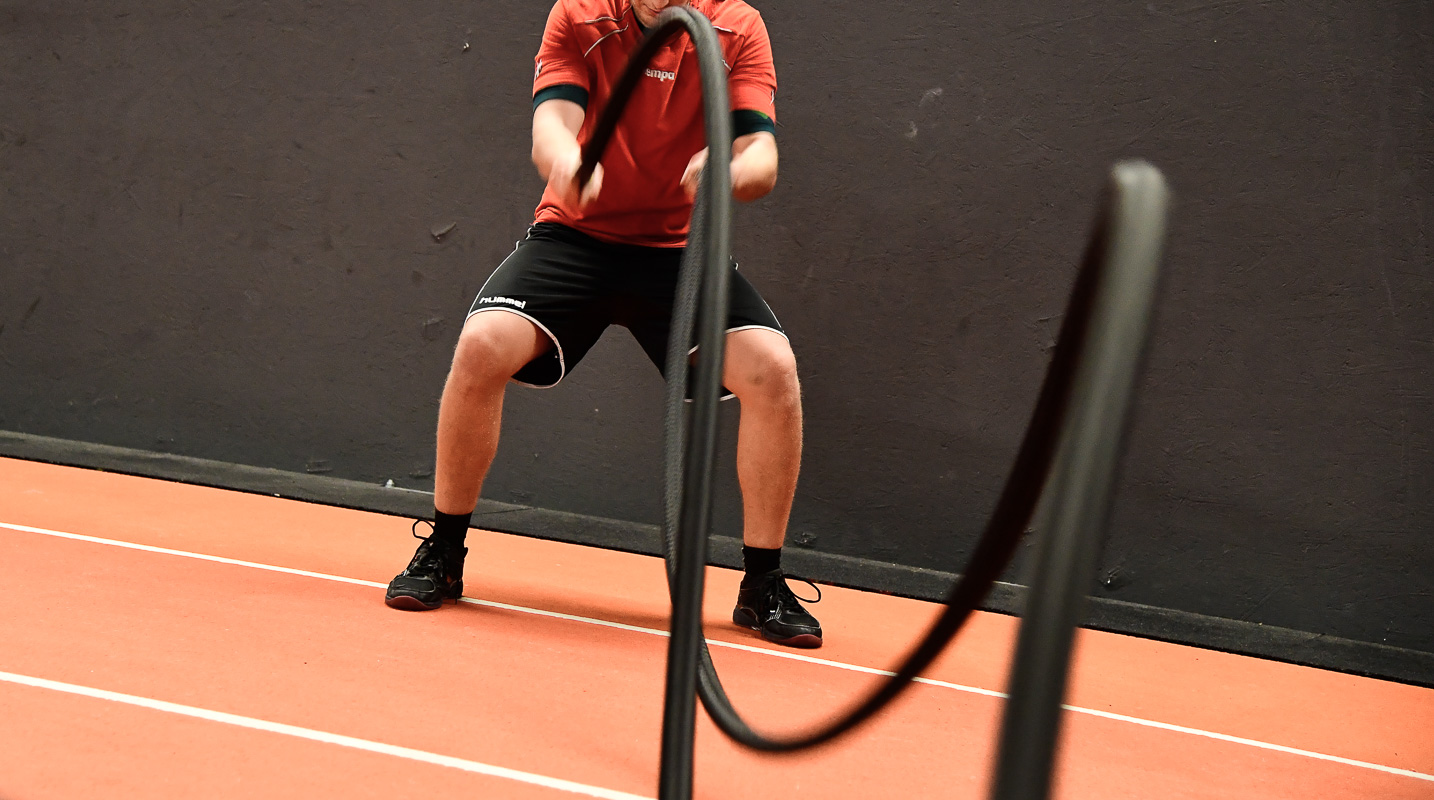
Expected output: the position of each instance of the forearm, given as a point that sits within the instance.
(754, 166)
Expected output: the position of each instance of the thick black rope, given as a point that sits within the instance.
(992, 554)
(688, 466)
(997, 545)
(1014, 509)
(705, 260)
(1079, 497)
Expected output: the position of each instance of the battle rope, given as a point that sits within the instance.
(691, 454)
(1132, 232)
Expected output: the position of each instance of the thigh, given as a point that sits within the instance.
(651, 317)
(651, 322)
(555, 279)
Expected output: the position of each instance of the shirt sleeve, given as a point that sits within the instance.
(752, 83)
(560, 59)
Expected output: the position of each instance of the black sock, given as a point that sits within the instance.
(760, 560)
(450, 529)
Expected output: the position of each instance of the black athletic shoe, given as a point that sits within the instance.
(435, 574)
(765, 604)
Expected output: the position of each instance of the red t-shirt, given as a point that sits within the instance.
(586, 45)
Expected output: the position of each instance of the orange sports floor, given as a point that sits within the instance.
(172, 641)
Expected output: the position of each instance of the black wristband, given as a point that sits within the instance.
(563, 91)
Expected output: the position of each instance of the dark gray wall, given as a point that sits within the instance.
(215, 239)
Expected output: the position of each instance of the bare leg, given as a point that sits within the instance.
(762, 371)
(493, 345)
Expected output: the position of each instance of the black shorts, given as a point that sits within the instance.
(573, 286)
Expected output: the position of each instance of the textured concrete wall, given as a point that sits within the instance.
(217, 238)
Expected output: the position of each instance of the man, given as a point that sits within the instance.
(607, 253)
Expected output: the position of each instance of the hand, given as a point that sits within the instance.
(693, 173)
(563, 180)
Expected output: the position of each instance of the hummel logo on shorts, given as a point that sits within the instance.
(508, 300)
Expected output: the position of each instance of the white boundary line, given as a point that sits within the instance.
(735, 646)
(322, 736)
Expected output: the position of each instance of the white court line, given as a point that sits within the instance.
(749, 648)
(323, 736)
(729, 645)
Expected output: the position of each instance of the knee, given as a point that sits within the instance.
(484, 354)
(767, 375)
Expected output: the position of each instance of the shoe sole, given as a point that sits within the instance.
(407, 602)
(809, 641)
(804, 640)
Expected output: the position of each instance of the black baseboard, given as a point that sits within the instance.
(1181, 627)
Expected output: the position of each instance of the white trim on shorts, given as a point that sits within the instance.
(562, 363)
